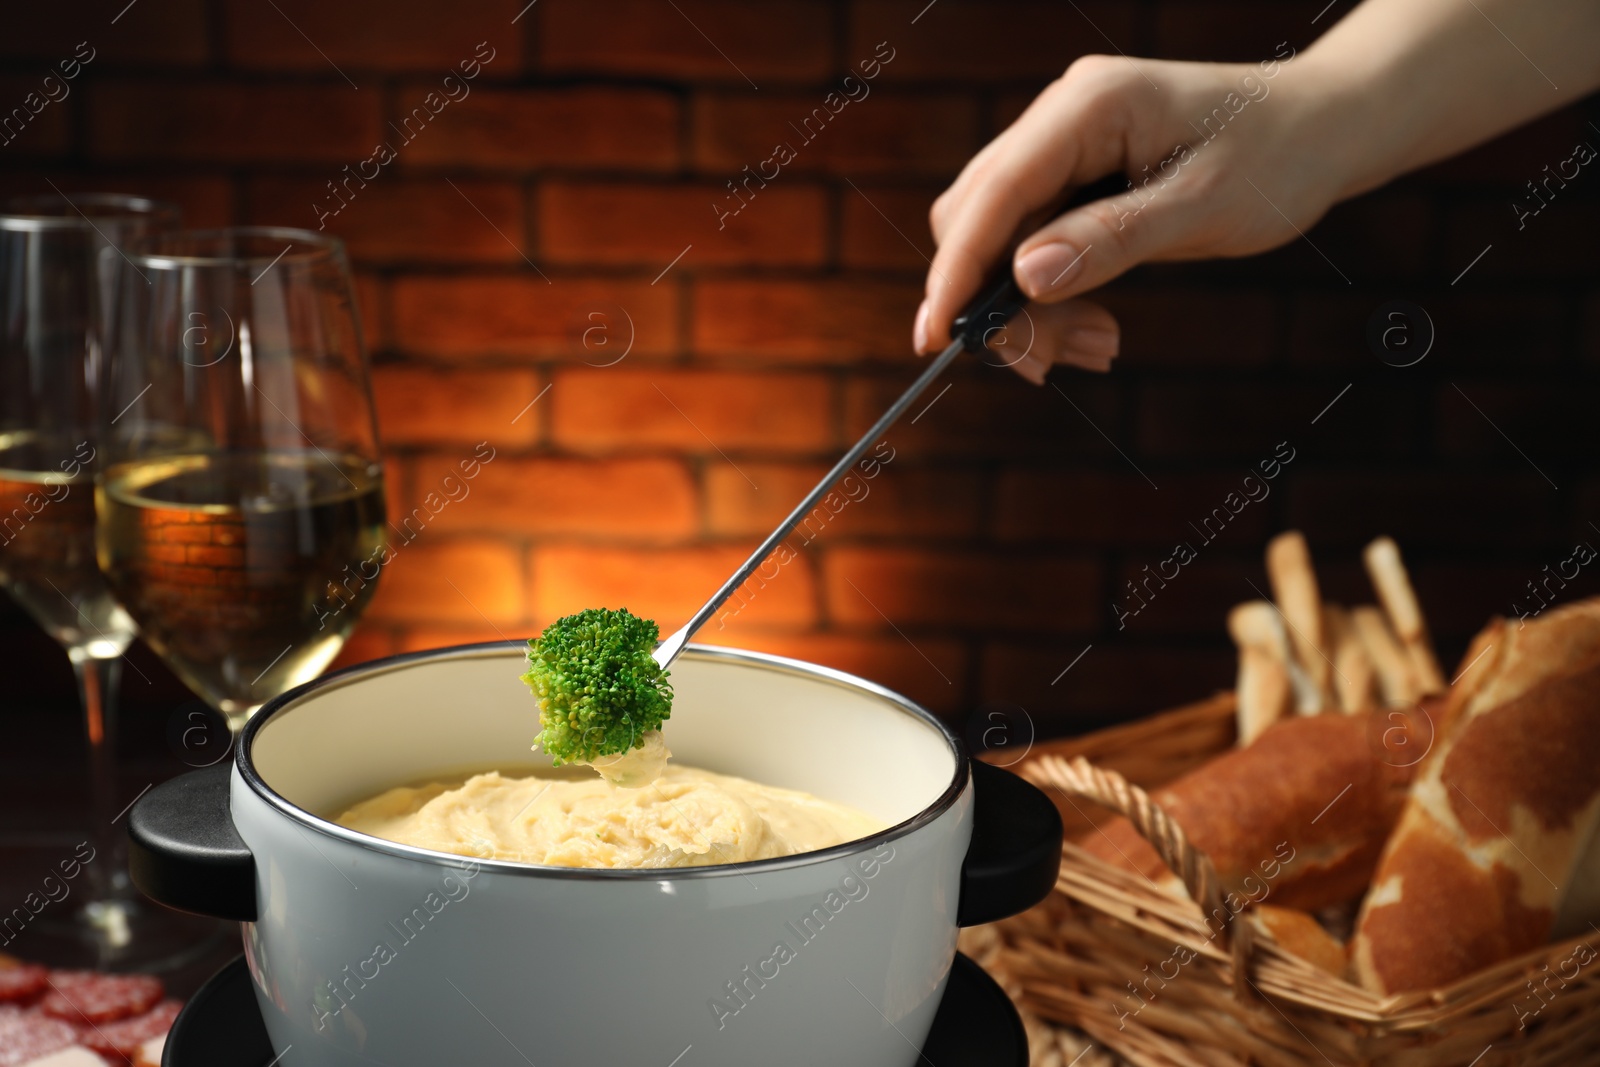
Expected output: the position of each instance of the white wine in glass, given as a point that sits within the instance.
(228, 558)
(240, 497)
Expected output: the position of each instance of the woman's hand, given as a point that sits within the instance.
(1231, 159)
(1219, 158)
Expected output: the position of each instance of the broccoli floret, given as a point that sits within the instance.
(599, 689)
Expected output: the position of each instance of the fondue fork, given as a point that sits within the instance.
(984, 316)
(987, 313)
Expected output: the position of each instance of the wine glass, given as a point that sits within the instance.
(54, 281)
(240, 495)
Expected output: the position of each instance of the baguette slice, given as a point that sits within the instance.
(1396, 678)
(1299, 817)
(1264, 690)
(1294, 587)
(1495, 851)
(1302, 936)
(73, 1056)
(1354, 680)
(1389, 577)
(149, 1054)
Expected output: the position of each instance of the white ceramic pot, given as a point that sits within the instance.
(366, 951)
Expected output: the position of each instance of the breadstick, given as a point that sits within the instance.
(1294, 587)
(1397, 684)
(1353, 679)
(1263, 691)
(1389, 577)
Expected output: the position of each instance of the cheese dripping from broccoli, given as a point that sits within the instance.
(602, 696)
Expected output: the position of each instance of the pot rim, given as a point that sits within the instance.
(350, 675)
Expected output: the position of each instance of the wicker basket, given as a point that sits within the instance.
(1080, 959)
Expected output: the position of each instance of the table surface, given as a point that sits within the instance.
(44, 815)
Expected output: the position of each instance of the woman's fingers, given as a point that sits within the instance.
(1092, 244)
(977, 237)
(1071, 135)
(1073, 332)
(949, 202)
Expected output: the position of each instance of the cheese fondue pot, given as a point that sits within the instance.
(365, 951)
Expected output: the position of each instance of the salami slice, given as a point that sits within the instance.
(87, 997)
(121, 1040)
(27, 1035)
(21, 983)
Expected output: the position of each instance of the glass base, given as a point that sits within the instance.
(123, 936)
(124, 932)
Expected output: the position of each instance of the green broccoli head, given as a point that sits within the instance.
(599, 689)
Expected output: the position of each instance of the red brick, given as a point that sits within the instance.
(900, 134)
(1111, 682)
(882, 588)
(1547, 423)
(900, 501)
(703, 40)
(832, 321)
(1246, 422)
(695, 411)
(1189, 328)
(1008, 108)
(213, 555)
(24, 131)
(1390, 233)
(423, 638)
(520, 129)
(397, 496)
(231, 123)
(393, 219)
(668, 586)
(1245, 31)
(477, 582)
(527, 316)
(1461, 507)
(989, 411)
(370, 306)
(1341, 576)
(369, 641)
(971, 41)
(172, 33)
(205, 202)
(886, 227)
(933, 673)
(1329, 330)
(651, 225)
(1543, 249)
(1194, 603)
(637, 500)
(367, 35)
(418, 505)
(1586, 502)
(419, 406)
(1115, 507)
(1590, 344)
(169, 553)
(1458, 598)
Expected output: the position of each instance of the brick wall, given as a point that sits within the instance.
(562, 214)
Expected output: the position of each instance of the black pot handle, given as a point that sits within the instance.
(184, 851)
(1015, 852)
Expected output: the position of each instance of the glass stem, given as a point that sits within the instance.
(97, 687)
